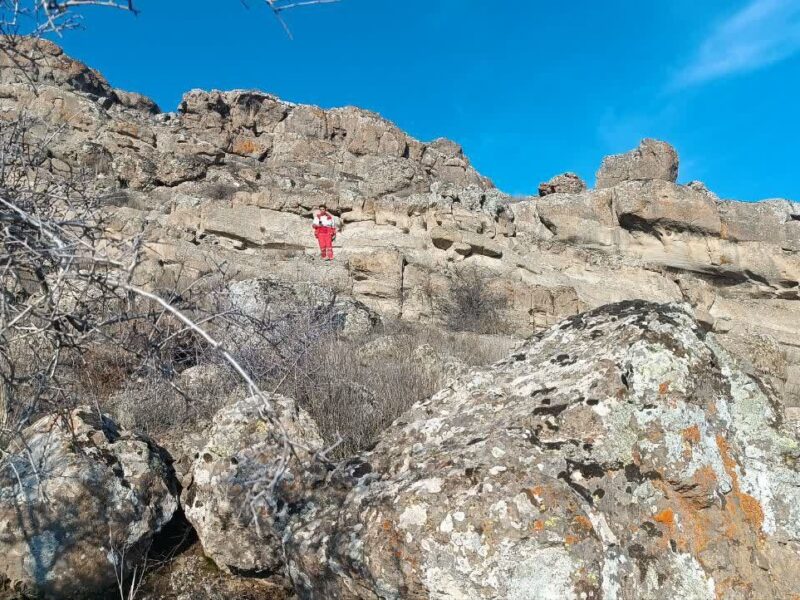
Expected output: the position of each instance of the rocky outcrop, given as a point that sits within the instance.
(227, 497)
(653, 159)
(275, 301)
(232, 177)
(79, 502)
(567, 183)
(29, 61)
(621, 454)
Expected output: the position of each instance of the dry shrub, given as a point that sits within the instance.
(472, 305)
(350, 393)
(159, 407)
(358, 398)
(355, 393)
(474, 349)
(156, 378)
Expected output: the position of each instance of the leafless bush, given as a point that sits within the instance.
(49, 226)
(67, 288)
(472, 305)
(474, 349)
(357, 399)
(354, 387)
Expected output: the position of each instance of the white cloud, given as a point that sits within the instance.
(762, 33)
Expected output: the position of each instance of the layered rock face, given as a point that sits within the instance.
(232, 177)
(80, 504)
(619, 455)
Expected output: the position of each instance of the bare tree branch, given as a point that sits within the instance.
(279, 6)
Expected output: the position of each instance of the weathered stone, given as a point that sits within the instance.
(26, 60)
(653, 204)
(232, 178)
(621, 454)
(771, 221)
(700, 187)
(567, 183)
(378, 278)
(651, 160)
(81, 499)
(585, 218)
(243, 453)
(433, 361)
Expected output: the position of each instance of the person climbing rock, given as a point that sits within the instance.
(325, 231)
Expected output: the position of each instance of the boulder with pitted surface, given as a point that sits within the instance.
(567, 183)
(227, 495)
(620, 454)
(80, 503)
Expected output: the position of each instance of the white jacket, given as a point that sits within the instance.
(324, 219)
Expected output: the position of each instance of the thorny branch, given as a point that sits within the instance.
(41, 17)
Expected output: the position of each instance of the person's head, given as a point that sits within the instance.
(322, 207)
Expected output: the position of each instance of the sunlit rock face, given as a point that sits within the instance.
(620, 454)
(232, 178)
(653, 159)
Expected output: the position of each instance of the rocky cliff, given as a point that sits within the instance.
(623, 452)
(231, 177)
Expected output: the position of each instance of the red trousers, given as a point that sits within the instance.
(325, 237)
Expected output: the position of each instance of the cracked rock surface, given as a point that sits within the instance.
(620, 454)
(82, 498)
(241, 457)
(231, 178)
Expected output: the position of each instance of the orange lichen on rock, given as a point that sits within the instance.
(749, 508)
(244, 146)
(686, 523)
(581, 522)
(665, 517)
(753, 513)
(540, 496)
(692, 434)
(727, 459)
(663, 388)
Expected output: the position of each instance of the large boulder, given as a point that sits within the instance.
(567, 183)
(275, 300)
(658, 205)
(651, 160)
(80, 500)
(585, 218)
(618, 455)
(770, 221)
(227, 498)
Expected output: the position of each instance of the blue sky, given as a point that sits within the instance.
(530, 88)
